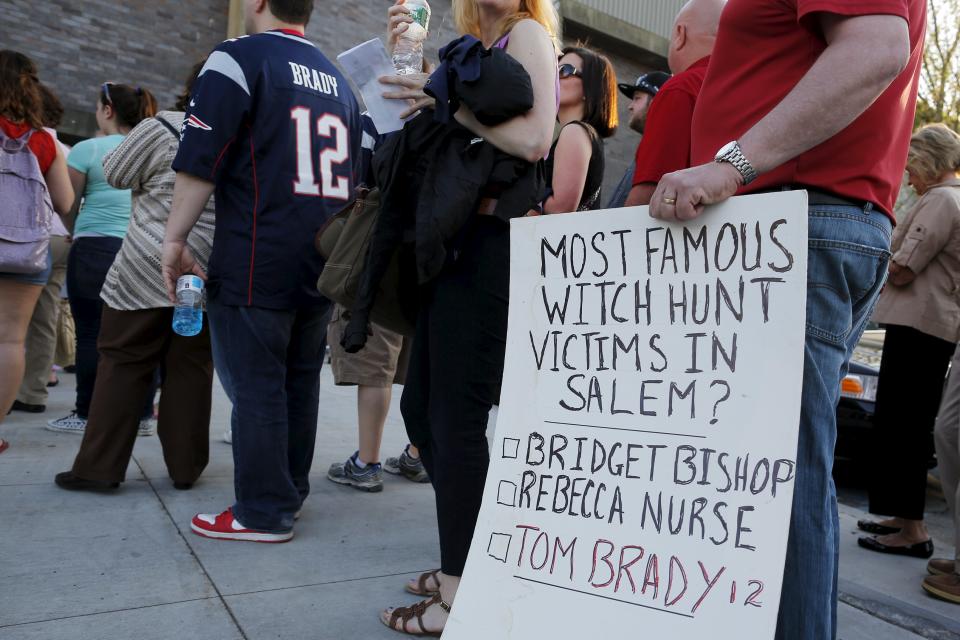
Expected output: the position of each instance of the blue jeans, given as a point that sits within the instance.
(847, 265)
(269, 363)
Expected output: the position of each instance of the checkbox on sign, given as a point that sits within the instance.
(499, 546)
(510, 448)
(507, 493)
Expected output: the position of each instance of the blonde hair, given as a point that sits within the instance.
(467, 17)
(934, 151)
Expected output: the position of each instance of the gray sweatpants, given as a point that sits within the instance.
(947, 437)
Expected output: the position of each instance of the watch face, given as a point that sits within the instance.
(725, 149)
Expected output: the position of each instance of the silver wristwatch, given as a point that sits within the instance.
(732, 154)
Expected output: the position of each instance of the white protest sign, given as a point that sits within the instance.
(642, 471)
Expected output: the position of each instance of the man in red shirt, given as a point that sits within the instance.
(641, 94)
(820, 95)
(666, 141)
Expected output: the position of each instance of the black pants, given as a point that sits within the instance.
(87, 266)
(912, 373)
(456, 366)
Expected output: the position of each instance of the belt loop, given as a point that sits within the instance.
(868, 207)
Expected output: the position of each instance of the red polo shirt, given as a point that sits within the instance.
(763, 49)
(665, 146)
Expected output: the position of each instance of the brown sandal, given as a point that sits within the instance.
(406, 614)
(421, 588)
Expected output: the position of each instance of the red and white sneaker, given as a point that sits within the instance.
(226, 527)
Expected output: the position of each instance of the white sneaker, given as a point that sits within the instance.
(148, 427)
(68, 424)
(227, 436)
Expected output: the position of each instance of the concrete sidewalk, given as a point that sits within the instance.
(125, 565)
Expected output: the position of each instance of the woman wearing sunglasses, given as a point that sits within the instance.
(98, 221)
(588, 101)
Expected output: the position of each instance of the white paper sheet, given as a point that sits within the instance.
(365, 63)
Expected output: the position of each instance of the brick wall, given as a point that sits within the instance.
(79, 44)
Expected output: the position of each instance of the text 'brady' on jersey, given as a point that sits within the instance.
(276, 127)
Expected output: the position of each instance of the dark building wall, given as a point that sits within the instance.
(79, 44)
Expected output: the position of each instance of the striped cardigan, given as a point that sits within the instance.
(142, 163)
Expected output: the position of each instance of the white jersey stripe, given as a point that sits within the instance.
(224, 64)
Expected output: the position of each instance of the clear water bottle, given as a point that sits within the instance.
(408, 52)
(188, 314)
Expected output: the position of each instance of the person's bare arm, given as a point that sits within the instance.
(527, 136)
(571, 162)
(864, 54)
(190, 196)
(640, 194)
(58, 184)
(78, 181)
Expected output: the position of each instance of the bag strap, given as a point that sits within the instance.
(13, 145)
(170, 127)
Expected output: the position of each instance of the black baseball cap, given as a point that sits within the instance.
(648, 83)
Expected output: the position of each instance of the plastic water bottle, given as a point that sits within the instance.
(408, 52)
(188, 314)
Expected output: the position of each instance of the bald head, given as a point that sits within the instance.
(694, 32)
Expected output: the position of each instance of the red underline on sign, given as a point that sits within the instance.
(596, 426)
(597, 595)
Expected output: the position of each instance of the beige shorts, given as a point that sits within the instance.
(381, 363)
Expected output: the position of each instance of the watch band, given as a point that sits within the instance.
(735, 156)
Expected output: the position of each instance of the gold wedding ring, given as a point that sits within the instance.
(669, 201)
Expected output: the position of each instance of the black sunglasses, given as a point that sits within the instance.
(567, 70)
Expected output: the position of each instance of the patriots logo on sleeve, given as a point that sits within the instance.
(194, 121)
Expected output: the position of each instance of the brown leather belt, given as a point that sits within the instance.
(487, 206)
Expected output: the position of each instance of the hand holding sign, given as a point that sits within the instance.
(682, 195)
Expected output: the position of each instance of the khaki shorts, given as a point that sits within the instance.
(381, 363)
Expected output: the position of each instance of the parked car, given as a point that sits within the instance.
(858, 399)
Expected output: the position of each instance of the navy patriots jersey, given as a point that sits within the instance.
(276, 127)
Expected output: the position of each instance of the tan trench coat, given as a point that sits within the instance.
(928, 242)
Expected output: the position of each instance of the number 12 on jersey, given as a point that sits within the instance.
(328, 126)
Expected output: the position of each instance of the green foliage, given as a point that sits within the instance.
(939, 99)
